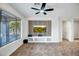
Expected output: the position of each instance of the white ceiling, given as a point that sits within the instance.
(60, 9)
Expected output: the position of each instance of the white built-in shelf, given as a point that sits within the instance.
(40, 39)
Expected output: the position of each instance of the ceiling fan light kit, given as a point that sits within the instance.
(42, 9)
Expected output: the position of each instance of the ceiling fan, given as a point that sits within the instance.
(42, 9)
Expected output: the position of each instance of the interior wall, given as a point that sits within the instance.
(76, 29)
(64, 29)
(10, 48)
(69, 30)
(25, 28)
(56, 27)
(45, 23)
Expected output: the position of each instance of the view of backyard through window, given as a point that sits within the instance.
(10, 29)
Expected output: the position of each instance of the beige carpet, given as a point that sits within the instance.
(48, 49)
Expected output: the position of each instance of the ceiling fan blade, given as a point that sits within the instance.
(45, 13)
(34, 8)
(49, 9)
(43, 6)
(37, 13)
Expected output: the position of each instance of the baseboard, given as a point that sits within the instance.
(43, 41)
(10, 48)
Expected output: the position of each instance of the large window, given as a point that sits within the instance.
(10, 28)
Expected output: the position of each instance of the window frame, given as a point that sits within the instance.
(7, 22)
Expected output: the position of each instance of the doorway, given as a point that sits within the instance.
(68, 30)
(64, 34)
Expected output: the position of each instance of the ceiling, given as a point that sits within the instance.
(60, 9)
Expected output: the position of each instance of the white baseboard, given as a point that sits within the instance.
(10, 48)
(43, 41)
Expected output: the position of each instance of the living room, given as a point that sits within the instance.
(42, 28)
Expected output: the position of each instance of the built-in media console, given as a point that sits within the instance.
(40, 39)
(39, 31)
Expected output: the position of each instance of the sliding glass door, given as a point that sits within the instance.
(18, 27)
(3, 31)
(0, 28)
(10, 29)
(14, 29)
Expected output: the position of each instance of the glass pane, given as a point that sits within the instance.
(3, 32)
(0, 33)
(18, 25)
(0, 28)
(12, 30)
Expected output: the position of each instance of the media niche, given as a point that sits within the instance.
(39, 28)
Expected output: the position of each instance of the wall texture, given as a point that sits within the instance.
(56, 27)
(46, 23)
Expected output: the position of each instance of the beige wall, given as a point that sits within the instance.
(46, 23)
